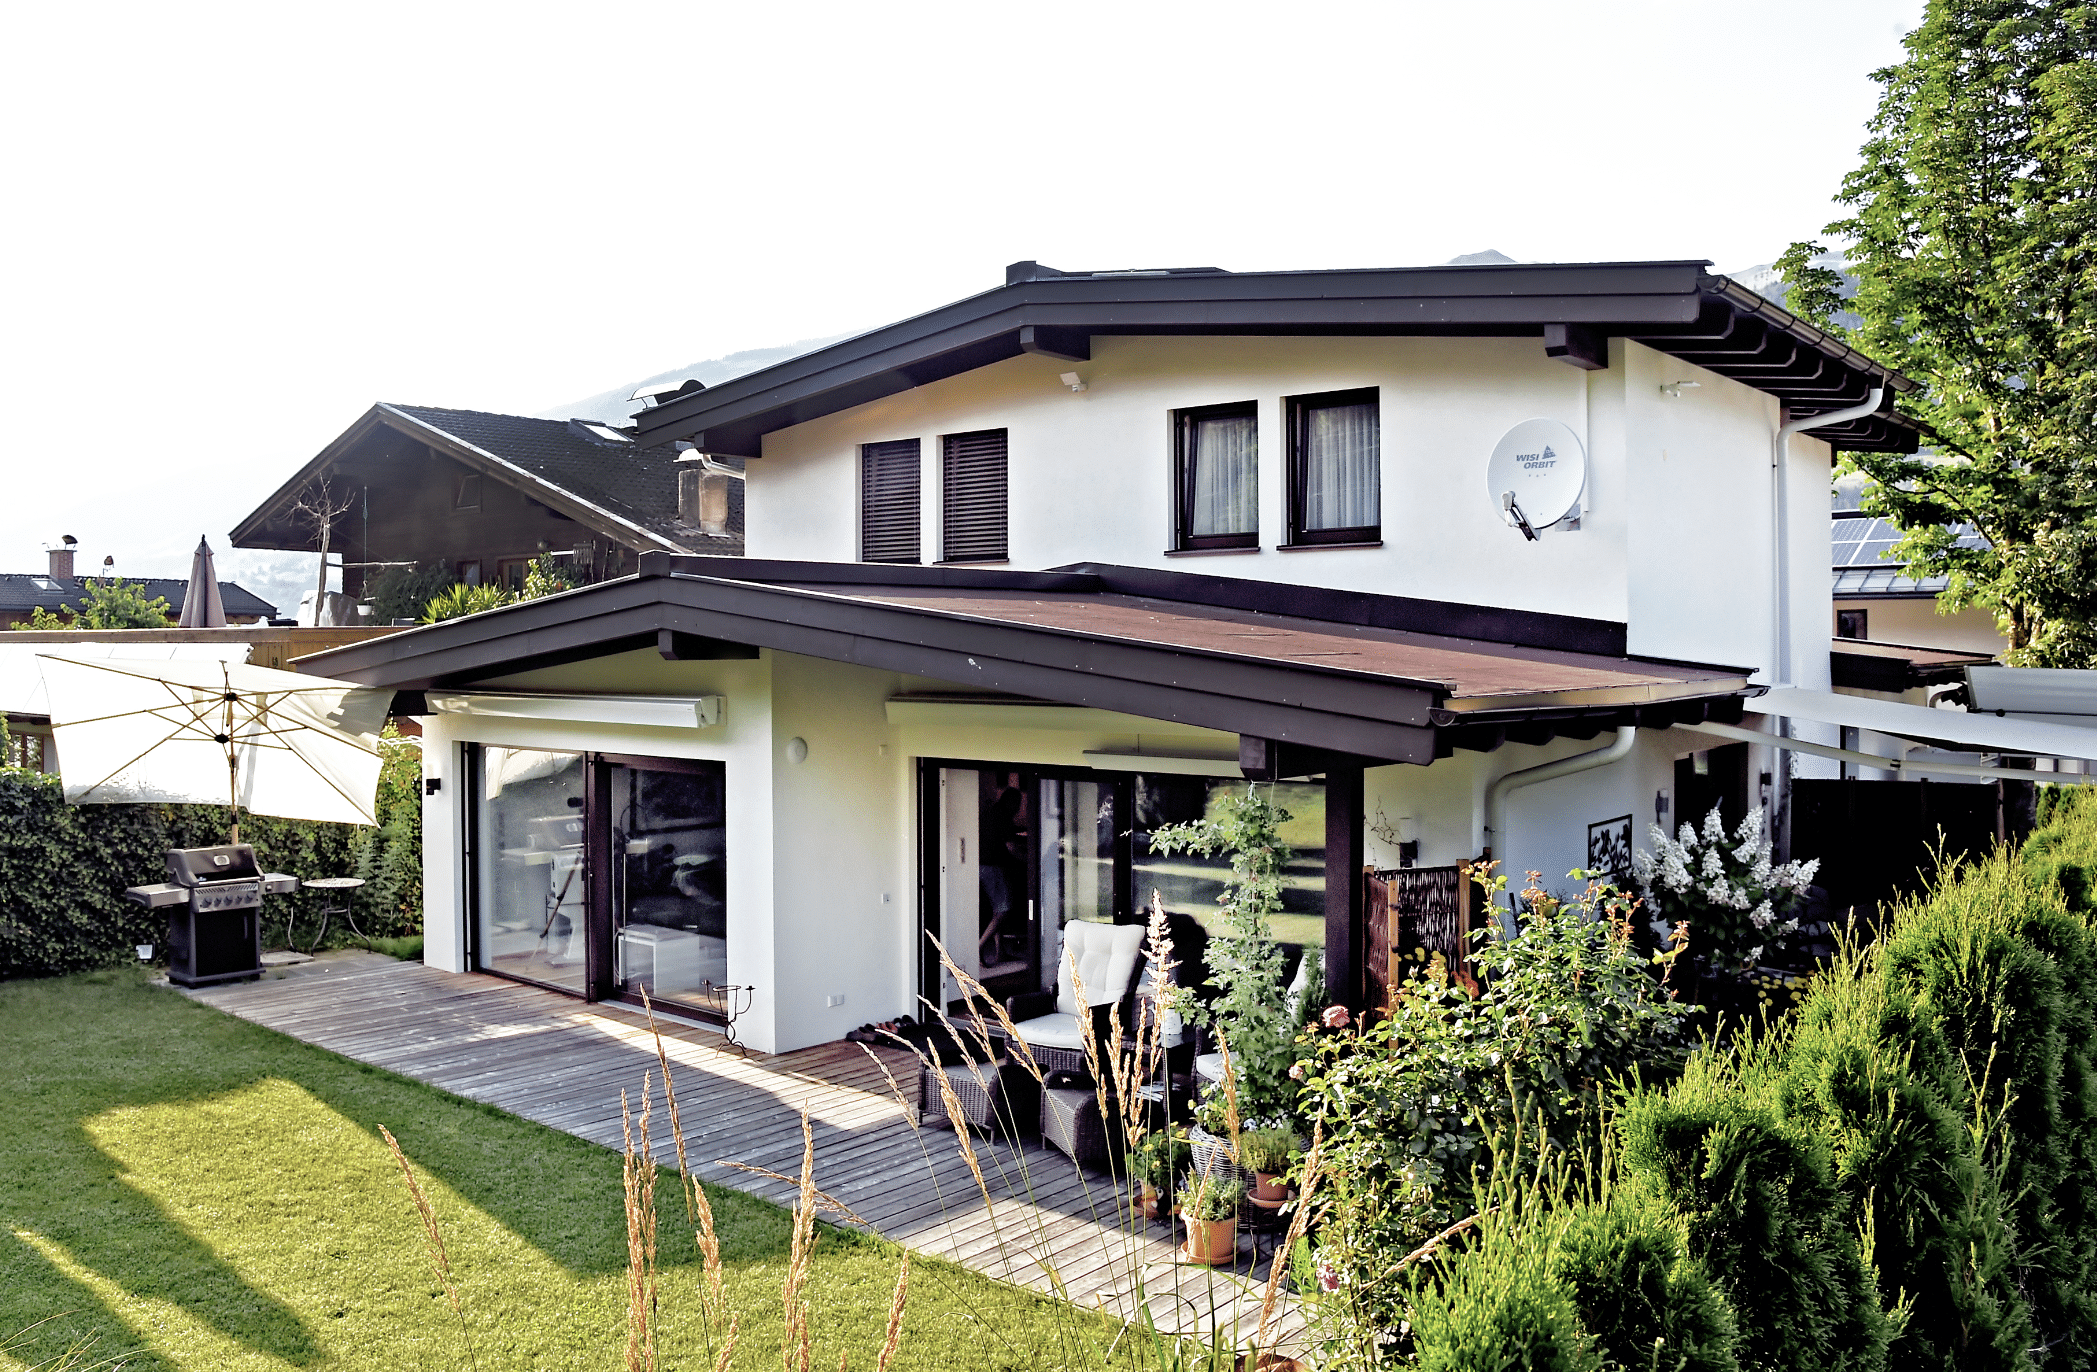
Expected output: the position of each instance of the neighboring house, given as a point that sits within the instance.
(1041, 570)
(1873, 600)
(22, 594)
(484, 494)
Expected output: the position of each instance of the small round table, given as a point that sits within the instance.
(333, 890)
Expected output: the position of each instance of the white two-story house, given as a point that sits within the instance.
(1461, 559)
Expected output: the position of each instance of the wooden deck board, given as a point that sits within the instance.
(562, 1063)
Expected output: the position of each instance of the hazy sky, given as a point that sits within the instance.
(231, 228)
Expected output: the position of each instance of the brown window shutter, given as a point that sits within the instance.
(972, 525)
(888, 502)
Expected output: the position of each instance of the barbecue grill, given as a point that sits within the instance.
(213, 897)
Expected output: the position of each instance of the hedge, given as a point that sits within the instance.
(63, 868)
(1900, 1174)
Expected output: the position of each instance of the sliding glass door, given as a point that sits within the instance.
(600, 875)
(531, 887)
(669, 889)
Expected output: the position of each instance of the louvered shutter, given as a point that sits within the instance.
(972, 525)
(888, 502)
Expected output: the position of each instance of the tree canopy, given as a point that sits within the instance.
(107, 603)
(1973, 236)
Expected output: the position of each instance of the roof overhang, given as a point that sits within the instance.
(1102, 638)
(1676, 307)
(266, 527)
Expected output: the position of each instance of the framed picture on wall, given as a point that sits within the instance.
(1609, 849)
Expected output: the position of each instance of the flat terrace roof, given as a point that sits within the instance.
(1375, 678)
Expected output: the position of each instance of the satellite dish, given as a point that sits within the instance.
(1536, 475)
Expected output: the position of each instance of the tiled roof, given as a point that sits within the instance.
(24, 591)
(634, 484)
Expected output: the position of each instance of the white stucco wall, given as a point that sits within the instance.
(1675, 540)
(1090, 472)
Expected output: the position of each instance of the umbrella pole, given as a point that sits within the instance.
(232, 768)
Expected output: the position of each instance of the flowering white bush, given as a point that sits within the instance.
(1737, 902)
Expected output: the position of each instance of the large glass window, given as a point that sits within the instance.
(669, 893)
(1190, 884)
(1335, 473)
(1218, 461)
(533, 886)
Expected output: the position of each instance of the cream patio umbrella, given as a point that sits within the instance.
(213, 733)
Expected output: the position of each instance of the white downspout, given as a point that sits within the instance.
(1780, 660)
(1780, 618)
(1496, 794)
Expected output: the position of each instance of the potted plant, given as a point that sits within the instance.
(1158, 1157)
(1209, 1204)
(1266, 1154)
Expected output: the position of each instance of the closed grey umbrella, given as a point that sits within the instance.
(202, 606)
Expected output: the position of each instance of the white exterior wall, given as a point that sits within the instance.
(1090, 472)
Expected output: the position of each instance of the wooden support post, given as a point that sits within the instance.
(1345, 956)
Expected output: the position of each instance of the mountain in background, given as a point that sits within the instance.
(1765, 282)
(617, 405)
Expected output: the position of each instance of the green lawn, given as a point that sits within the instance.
(217, 1197)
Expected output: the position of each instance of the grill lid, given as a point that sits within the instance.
(200, 866)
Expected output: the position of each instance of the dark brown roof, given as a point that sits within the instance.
(618, 489)
(1466, 675)
(1369, 679)
(1573, 309)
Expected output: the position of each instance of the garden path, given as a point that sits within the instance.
(564, 1063)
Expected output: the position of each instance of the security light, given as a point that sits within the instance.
(1073, 380)
(1673, 389)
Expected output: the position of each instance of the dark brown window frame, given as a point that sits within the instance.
(950, 518)
(893, 449)
(1296, 408)
(1184, 423)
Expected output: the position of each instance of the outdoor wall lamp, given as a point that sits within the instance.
(1408, 830)
(1073, 380)
(1673, 389)
(797, 750)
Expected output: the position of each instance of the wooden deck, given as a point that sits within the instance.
(1052, 1227)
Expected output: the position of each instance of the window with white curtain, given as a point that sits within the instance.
(1217, 464)
(1335, 478)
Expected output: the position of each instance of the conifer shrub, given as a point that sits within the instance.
(1646, 1303)
(1496, 1302)
(1763, 1215)
(1863, 1071)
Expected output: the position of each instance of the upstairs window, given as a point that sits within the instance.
(1335, 478)
(972, 497)
(888, 501)
(1217, 476)
(466, 493)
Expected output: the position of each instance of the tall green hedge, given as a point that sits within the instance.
(63, 868)
(1900, 1174)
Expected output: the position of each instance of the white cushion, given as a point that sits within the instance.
(1052, 1031)
(1209, 1067)
(1105, 959)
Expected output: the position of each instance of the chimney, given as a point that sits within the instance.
(62, 559)
(702, 496)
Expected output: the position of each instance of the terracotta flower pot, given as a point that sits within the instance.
(1145, 1202)
(1267, 1186)
(1214, 1242)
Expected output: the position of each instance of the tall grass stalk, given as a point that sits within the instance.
(796, 1349)
(639, 1179)
(440, 1258)
(699, 1211)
